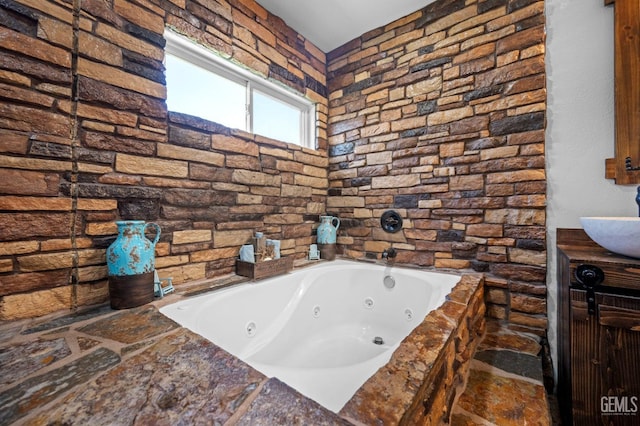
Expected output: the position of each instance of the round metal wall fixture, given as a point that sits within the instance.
(391, 221)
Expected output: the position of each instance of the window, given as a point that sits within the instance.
(202, 84)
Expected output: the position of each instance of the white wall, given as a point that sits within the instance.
(580, 125)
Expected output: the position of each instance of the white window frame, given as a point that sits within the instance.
(196, 54)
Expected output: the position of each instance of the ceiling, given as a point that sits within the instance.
(331, 23)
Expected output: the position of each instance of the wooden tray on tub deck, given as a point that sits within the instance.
(269, 268)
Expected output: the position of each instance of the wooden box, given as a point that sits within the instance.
(269, 268)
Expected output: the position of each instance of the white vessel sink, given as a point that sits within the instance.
(619, 235)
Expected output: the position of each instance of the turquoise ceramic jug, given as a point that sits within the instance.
(132, 253)
(327, 230)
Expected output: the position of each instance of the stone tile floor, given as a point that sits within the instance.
(138, 367)
(505, 384)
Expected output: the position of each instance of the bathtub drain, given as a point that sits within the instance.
(378, 340)
(389, 282)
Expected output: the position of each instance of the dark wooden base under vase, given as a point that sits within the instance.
(327, 251)
(130, 291)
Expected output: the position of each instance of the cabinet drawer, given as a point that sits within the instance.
(616, 276)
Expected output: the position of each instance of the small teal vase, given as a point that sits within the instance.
(327, 229)
(132, 253)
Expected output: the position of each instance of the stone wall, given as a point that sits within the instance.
(441, 116)
(86, 139)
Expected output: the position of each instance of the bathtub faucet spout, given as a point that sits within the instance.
(389, 253)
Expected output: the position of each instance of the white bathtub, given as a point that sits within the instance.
(318, 329)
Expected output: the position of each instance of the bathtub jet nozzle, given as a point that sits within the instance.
(378, 340)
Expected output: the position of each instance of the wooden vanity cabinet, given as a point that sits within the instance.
(598, 334)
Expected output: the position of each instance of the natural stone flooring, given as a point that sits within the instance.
(505, 384)
(138, 367)
(108, 367)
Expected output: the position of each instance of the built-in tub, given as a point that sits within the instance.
(324, 329)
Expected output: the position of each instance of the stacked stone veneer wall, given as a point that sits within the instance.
(86, 139)
(441, 115)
